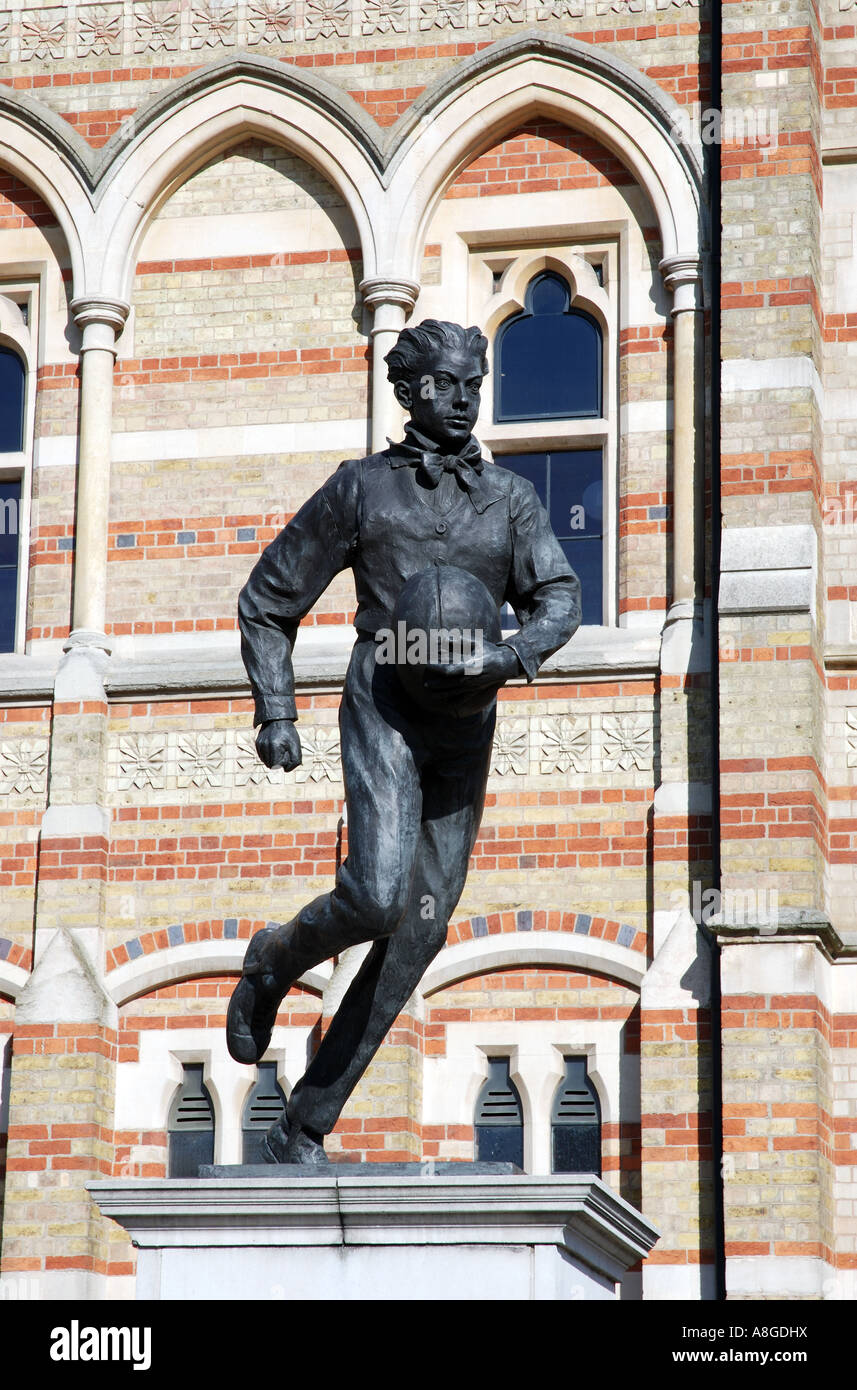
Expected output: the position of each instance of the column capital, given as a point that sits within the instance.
(100, 320)
(99, 308)
(389, 289)
(683, 278)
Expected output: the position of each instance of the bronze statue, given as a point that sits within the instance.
(408, 521)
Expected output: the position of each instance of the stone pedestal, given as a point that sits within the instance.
(364, 1235)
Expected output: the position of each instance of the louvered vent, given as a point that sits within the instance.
(264, 1106)
(499, 1117)
(576, 1122)
(575, 1102)
(191, 1125)
(499, 1102)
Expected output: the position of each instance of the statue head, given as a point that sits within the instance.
(437, 371)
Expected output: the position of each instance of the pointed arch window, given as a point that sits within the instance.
(548, 358)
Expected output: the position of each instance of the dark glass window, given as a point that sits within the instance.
(11, 402)
(547, 359)
(570, 488)
(265, 1104)
(10, 511)
(576, 1122)
(190, 1128)
(499, 1117)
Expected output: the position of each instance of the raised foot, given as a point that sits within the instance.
(285, 1144)
(256, 998)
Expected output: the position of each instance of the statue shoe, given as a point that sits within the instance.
(267, 977)
(285, 1144)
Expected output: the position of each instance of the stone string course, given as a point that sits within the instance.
(54, 33)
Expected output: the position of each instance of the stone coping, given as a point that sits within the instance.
(320, 661)
(576, 1212)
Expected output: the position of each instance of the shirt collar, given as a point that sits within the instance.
(483, 488)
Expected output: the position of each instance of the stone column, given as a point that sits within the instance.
(391, 300)
(101, 321)
(682, 276)
(63, 1070)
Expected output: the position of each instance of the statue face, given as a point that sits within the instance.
(443, 398)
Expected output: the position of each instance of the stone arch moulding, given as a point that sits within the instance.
(487, 96)
(515, 950)
(12, 980)
(205, 115)
(176, 964)
(46, 154)
(390, 180)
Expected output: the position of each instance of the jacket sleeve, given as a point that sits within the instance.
(543, 589)
(285, 583)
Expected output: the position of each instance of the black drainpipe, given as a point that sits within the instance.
(716, 1033)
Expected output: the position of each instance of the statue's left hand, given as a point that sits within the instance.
(492, 668)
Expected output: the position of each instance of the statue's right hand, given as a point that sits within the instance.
(278, 744)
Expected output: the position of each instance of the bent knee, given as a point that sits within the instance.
(382, 913)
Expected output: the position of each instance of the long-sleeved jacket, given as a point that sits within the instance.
(373, 517)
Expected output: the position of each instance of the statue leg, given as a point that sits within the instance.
(382, 783)
(452, 810)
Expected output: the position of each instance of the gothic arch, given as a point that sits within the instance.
(205, 115)
(486, 97)
(42, 150)
(391, 181)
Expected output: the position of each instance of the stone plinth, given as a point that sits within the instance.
(367, 1236)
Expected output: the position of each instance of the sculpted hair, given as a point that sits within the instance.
(414, 345)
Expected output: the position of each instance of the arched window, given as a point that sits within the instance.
(499, 1117)
(576, 1122)
(265, 1104)
(548, 366)
(12, 382)
(547, 359)
(190, 1127)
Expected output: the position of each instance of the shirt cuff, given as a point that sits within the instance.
(520, 646)
(274, 707)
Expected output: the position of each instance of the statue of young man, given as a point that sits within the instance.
(414, 781)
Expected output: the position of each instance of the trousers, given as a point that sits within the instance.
(414, 791)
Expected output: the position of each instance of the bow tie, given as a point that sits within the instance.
(432, 465)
